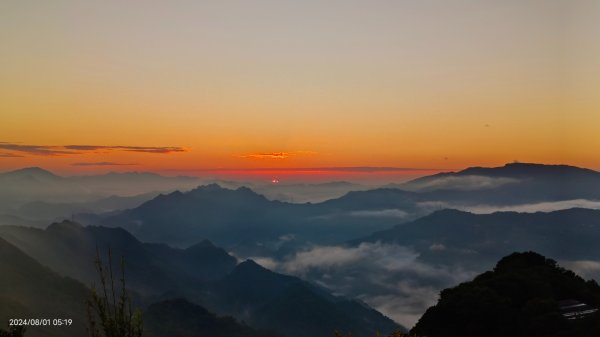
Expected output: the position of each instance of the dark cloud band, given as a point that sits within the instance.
(358, 169)
(10, 155)
(60, 150)
(102, 163)
(145, 149)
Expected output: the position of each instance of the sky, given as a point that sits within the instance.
(303, 87)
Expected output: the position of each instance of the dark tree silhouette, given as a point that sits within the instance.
(109, 309)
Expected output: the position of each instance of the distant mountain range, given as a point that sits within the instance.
(453, 237)
(34, 197)
(510, 184)
(241, 218)
(146, 227)
(535, 182)
(302, 192)
(37, 184)
(203, 274)
(238, 219)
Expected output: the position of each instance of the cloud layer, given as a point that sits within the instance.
(17, 150)
(102, 163)
(10, 155)
(549, 206)
(390, 278)
(586, 268)
(40, 150)
(267, 155)
(145, 149)
(346, 169)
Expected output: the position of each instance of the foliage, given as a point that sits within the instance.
(14, 331)
(109, 312)
(520, 297)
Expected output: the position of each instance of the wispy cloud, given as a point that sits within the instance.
(276, 155)
(584, 268)
(266, 155)
(40, 150)
(102, 163)
(17, 149)
(548, 206)
(9, 155)
(145, 149)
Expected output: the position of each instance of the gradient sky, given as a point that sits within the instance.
(182, 86)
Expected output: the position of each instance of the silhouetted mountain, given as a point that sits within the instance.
(290, 306)
(30, 173)
(456, 237)
(240, 218)
(511, 170)
(510, 184)
(380, 198)
(151, 268)
(203, 273)
(234, 217)
(180, 318)
(522, 296)
(207, 211)
(30, 290)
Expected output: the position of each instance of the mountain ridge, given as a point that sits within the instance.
(202, 273)
(453, 235)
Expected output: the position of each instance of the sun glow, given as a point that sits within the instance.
(297, 84)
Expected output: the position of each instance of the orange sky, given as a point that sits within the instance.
(288, 84)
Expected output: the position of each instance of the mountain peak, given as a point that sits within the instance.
(448, 212)
(520, 164)
(214, 187)
(201, 244)
(244, 189)
(250, 264)
(516, 168)
(31, 171)
(64, 225)
(209, 188)
(218, 190)
(524, 260)
(249, 269)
